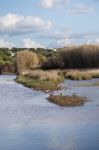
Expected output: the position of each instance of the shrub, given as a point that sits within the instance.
(42, 59)
(26, 60)
(5, 56)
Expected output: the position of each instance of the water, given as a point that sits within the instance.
(29, 122)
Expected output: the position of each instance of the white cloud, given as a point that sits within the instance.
(93, 41)
(89, 41)
(97, 41)
(61, 43)
(12, 24)
(58, 35)
(80, 9)
(6, 44)
(52, 3)
(28, 43)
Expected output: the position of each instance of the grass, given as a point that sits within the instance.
(82, 74)
(52, 75)
(49, 80)
(94, 73)
(62, 100)
(77, 75)
(37, 84)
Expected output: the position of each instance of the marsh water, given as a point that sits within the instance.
(29, 122)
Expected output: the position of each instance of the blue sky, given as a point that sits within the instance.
(48, 23)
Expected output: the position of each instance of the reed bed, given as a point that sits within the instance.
(74, 57)
(52, 75)
(82, 74)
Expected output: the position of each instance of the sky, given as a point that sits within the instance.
(48, 23)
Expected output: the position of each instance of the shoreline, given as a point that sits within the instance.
(38, 85)
(49, 86)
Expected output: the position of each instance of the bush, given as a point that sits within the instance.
(42, 59)
(5, 56)
(26, 60)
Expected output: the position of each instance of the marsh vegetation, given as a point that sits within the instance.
(68, 101)
(38, 84)
(44, 70)
(74, 57)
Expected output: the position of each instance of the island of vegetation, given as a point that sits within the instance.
(69, 101)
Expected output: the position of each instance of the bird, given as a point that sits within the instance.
(74, 95)
(65, 89)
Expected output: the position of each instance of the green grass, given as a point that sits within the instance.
(37, 84)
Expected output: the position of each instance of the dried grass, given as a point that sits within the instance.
(62, 100)
(82, 74)
(26, 60)
(52, 75)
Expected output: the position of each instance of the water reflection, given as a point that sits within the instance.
(50, 138)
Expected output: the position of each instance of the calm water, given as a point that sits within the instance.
(29, 122)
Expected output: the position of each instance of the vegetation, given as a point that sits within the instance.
(81, 74)
(43, 51)
(5, 57)
(74, 57)
(37, 84)
(77, 75)
(27, 63)
(74, 62)
(26, 60)
(62, 100)
(52, 75)
(7, 64)
(42, 59)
